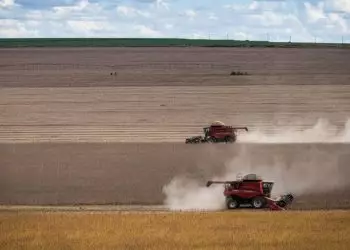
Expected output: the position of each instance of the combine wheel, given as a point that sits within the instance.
(211, 140)
(258, 202)
(232, 203)
(193, 140)
(229, 139)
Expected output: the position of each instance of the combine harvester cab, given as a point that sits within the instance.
(217, 132)
(252, 191)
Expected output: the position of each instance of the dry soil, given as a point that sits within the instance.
(108, 125)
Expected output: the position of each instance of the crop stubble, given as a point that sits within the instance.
(157, 96)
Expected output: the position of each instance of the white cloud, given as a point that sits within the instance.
(13, 28)
(158, 18)
(337, 21)
(254, 5)
(161, 4)
(332, 21)
(7, 3)
(81, 11)
(279, 19)
(314, 13)
(257, 6)
(35, 15)
(212, 16)
(80, 6)
(168, 26)
(147, 31)
(340, 5)
(126, 11)
(199, 36)
(235, 7)
(241, 36)
(190, 14)
(86, 28)
(270, 19)
(131, 12)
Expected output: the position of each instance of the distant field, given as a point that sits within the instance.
(223, 230)
(150, 42)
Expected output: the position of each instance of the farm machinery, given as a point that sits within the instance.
(252, 191)
(217, 132)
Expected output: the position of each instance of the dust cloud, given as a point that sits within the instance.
(311, 170)
(189, 194)
(304, 172)
(322, 132)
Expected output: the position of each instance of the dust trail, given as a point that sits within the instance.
(322, 132)
(188, 194)
(310, 170)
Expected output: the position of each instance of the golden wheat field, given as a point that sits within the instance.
(222, 230)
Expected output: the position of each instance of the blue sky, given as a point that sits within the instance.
(276, 20)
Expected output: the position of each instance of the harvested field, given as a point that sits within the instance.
(53, 174)
(92, 67)
(131, 126)
(161, 114)
(291, 230)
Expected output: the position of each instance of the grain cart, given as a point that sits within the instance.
(252, 191)
(217, 132)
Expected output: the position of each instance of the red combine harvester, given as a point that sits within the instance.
(253, 191)
(217, 132)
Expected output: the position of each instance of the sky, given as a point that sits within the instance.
(273, 20)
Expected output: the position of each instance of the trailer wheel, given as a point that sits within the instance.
(258, 202)
(232, 203)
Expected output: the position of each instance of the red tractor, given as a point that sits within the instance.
(217, 132)
(252, 191)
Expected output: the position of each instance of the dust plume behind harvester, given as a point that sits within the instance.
(251, 190)
(217, 132)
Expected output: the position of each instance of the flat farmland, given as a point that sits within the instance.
(221, 230)
(137, 173)
(161, 114)
(88, 67)
(103, 125)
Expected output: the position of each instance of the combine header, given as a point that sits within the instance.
(252, 191)
(217, 132)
